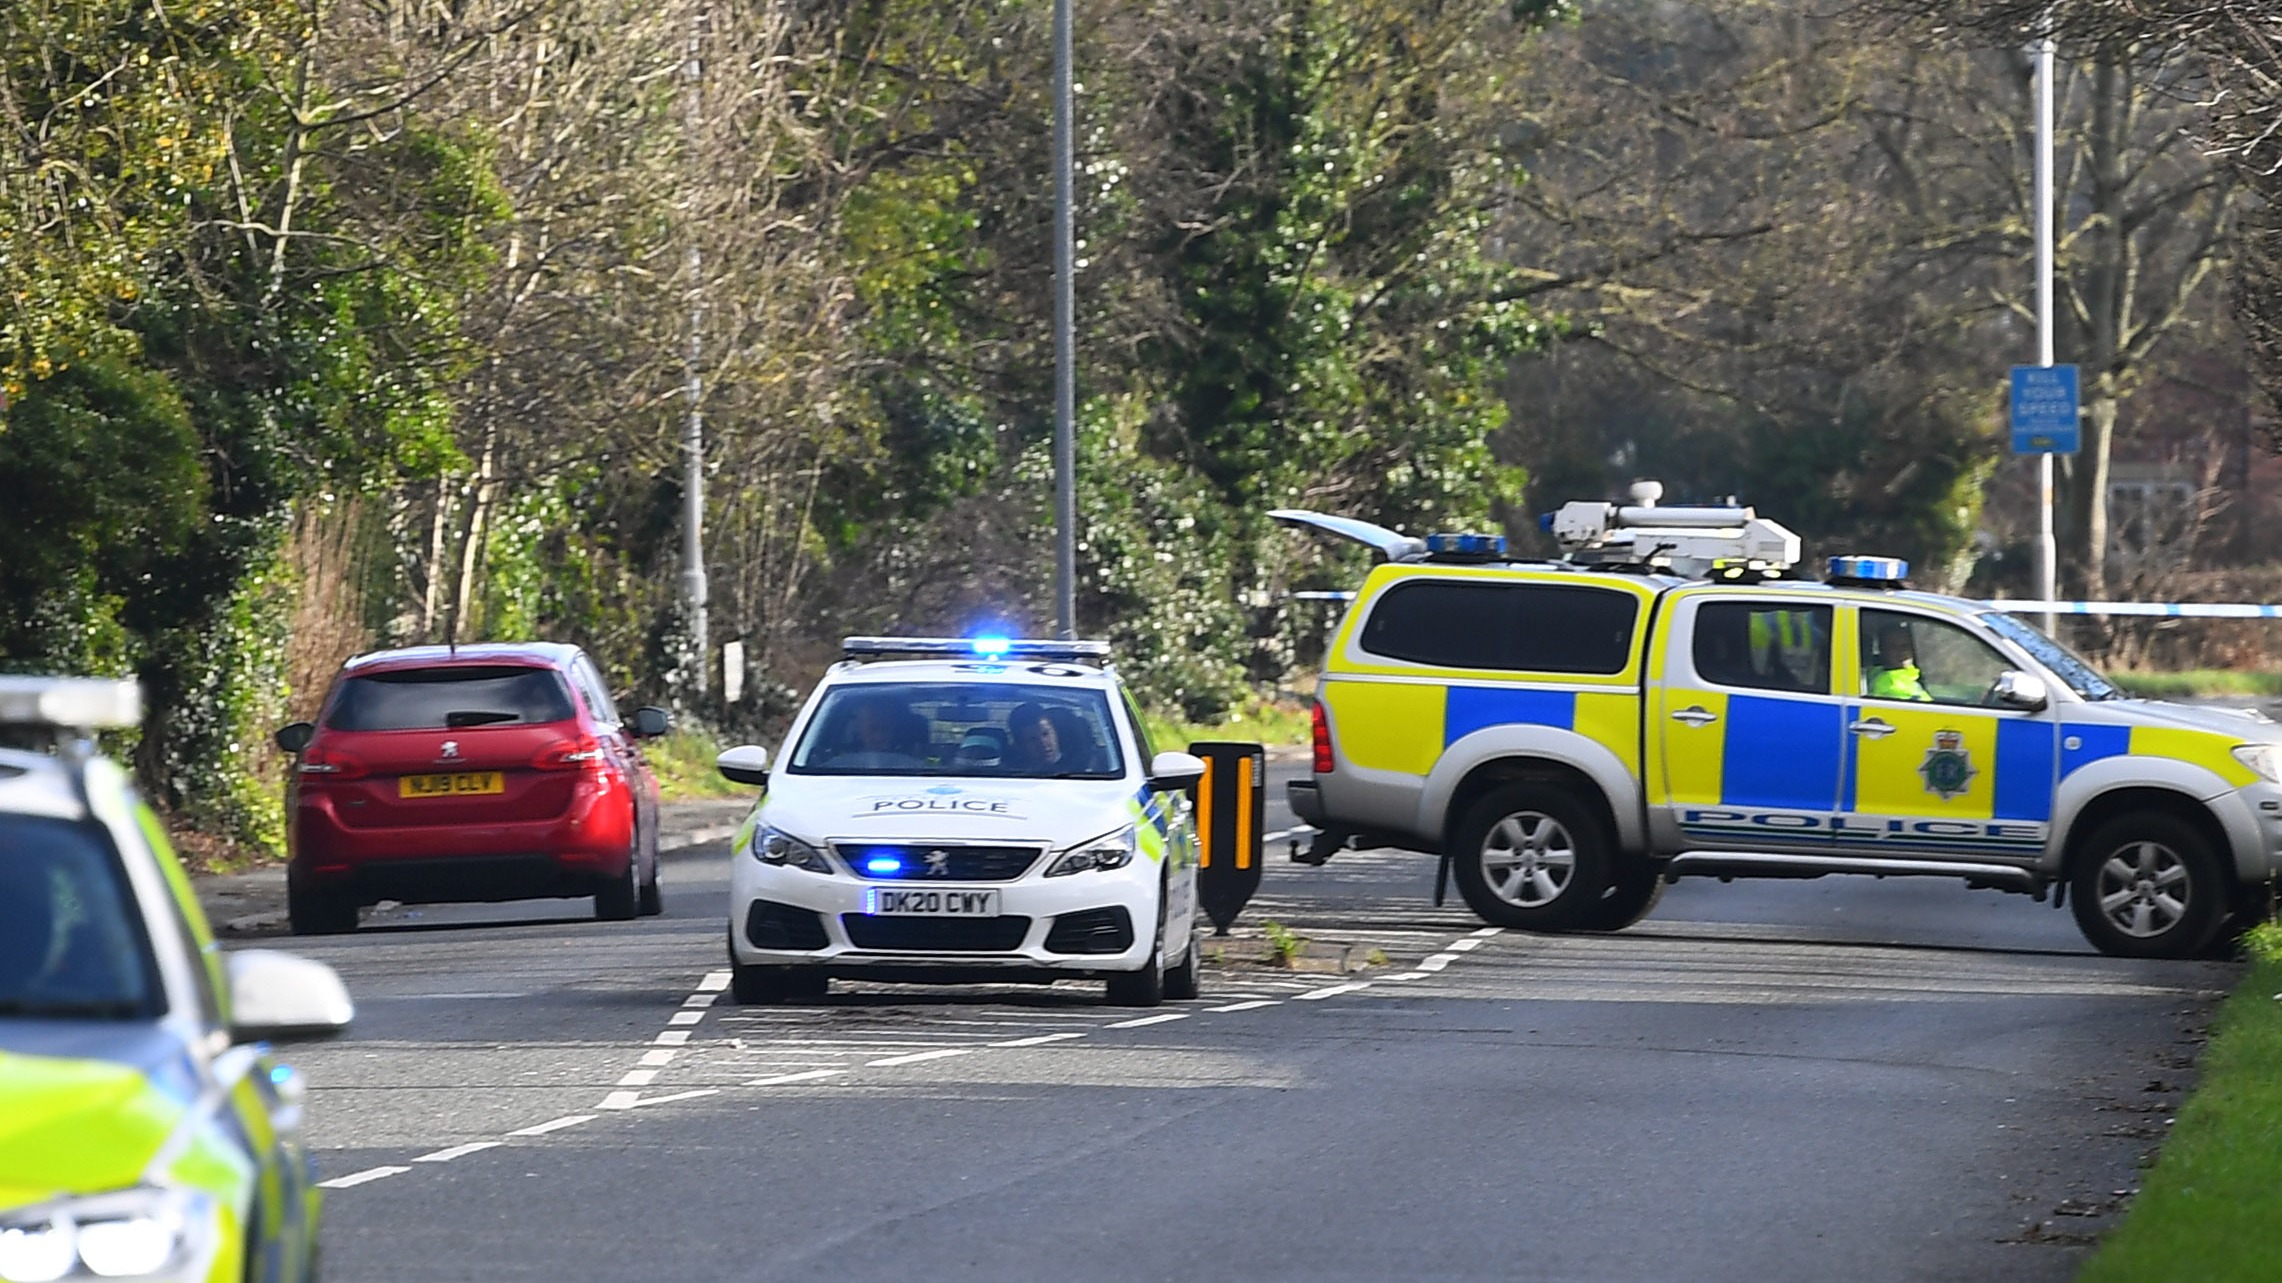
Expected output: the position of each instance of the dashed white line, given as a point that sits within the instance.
(1148, 1020)
(1408, 975)
(714, 982)
(685, 1017)
(553, 1125)
(358, 1178)
(638, 1078)
(672, 1038)
(646, 1101)
(778, 1080)
(917, 1056)
(1253, 1005)
(1467, 945)
(699, 999)
(1437, 962)
(458, 1151)
(1335, 990)
(1038, 1041)
(1486, 932)
(658, 1059)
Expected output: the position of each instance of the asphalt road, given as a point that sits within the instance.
(1764, 1081)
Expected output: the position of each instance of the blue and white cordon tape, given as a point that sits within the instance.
(2159, 609)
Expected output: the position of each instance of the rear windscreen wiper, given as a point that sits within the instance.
(477, 717)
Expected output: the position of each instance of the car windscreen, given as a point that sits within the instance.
(997, 730)
(424, 699)
(71, 945)
(2065, 664)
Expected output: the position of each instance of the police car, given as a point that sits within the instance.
(1671, 698)
(145, 1132)
(965, 810)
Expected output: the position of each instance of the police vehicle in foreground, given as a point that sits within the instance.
(145, 1132)
(1667, 700)
(962, 810)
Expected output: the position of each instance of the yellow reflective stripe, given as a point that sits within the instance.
(1244, 818)
(1387, 726)
(1613, 722)
(2209, 750)
(1204, 817)
(1693, 755)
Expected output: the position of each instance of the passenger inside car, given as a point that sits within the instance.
(881, 732)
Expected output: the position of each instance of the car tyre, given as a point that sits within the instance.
(1531, 857)
(1633, 894)
(1181, 981)
(310, 912)
(620, 899)
(653, 901)
(2148, 886)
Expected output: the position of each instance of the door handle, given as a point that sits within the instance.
(1874, 728)
(1696, 716)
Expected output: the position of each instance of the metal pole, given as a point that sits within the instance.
(693, 427)
(2047, 547)
(1065, 341)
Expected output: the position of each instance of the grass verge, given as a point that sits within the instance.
(1257, 720)
(683, 762)
(2190, 683)
(2208, 1209)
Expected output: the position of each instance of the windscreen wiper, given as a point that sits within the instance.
(478, 717)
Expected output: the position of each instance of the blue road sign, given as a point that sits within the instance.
(2044, 410)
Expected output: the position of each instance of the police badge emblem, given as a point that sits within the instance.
(1948, 769)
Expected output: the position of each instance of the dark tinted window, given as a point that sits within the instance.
(424, 699)
(1764, 645)
(987, 729)
(71, 945)
(1536, 628)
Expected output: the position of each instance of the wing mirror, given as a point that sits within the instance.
(295, 737)
(650, 722)
(1169, 771)
(746, 764)
(279, 996)
(2022, 690)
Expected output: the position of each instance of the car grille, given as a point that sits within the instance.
(1092, 931)
(894, 862)
(770, 925)
(935, 935)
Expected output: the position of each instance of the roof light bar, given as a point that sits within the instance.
(1690, 541)
(1005, 648)
(1870, 570)
(71, 703)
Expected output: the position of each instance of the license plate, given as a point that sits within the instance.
(919, 903)
(460, 784)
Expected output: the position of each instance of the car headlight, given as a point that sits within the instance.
(775, 846)
(1110, 851)
(2261, 759)
(132, 1233)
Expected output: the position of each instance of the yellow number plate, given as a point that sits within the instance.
(459, 785)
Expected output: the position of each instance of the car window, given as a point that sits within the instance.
(2071, 667)
(596, 691)
(1004, 730)
(422, 699)
(1763, 646)
(71, 944)
(1140, 728)
(1926, 661)
(1536, 628)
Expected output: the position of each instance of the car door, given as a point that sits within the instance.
(1748, 736)
(1937, 767)
(625, 750)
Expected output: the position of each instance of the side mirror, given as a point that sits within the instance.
(650, 722)
(278, 996)
(295, 737)
(1169, 771)
(2022, 690)
(746, 764)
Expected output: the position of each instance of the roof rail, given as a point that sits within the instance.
(984, 648)
(71, 703)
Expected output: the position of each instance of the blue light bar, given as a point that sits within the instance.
(1485, 546)
(882, 864)
(1004, 648)
(992, 645)
(1878, 570)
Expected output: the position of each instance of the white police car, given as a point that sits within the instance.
(959, 811)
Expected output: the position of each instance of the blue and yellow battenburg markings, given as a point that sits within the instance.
(1153, 820)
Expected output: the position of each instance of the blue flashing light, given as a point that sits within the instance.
(1870, 569)
(882, 864)
(1466, 545)
(993, 645)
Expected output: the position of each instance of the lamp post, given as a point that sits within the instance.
(1065, 340)
(2047, 548)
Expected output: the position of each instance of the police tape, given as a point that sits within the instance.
(2157, 609)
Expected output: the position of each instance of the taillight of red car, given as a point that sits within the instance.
(574, 753)
(1322, 735)
(332, 764)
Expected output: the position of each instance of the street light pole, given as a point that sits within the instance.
(693, 583)
(1065, 340)
(2047, 547)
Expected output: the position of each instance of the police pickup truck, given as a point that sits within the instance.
(1667, 700)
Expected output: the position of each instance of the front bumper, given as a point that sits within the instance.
(1091, 923)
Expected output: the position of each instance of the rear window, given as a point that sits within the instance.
(423, 699)
(1535, 628)
(71, 945)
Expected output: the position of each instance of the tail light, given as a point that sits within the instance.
(569, 754)
(1322, 733)
(331, 763)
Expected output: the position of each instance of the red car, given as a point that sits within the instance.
(490, 772)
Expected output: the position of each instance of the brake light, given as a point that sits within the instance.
(331, 763)
(1322, 732)
(569, 754)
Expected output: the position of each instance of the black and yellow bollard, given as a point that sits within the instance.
(1231, 806)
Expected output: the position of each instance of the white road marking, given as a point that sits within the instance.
(553, 1125)
(685, 1017)
(647, 1101)
(638, 1078)
(1486, 932)
(1314, 994)
(1467, 945)
(1039, 1041)
(458, 1151)
(1437, 962)
(699, 999)
(1408, 975)
(812, 1075)
(619, 1100)
(359, 1178)
(672, 1038)
(1253, 1005)
(714, 982)
(658, 1059)
(1148, 1020)
(917, 1056)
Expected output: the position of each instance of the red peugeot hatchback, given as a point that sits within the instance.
(489, 772)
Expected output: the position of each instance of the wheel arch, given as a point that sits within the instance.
(1497, 772)
(2103, 809)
